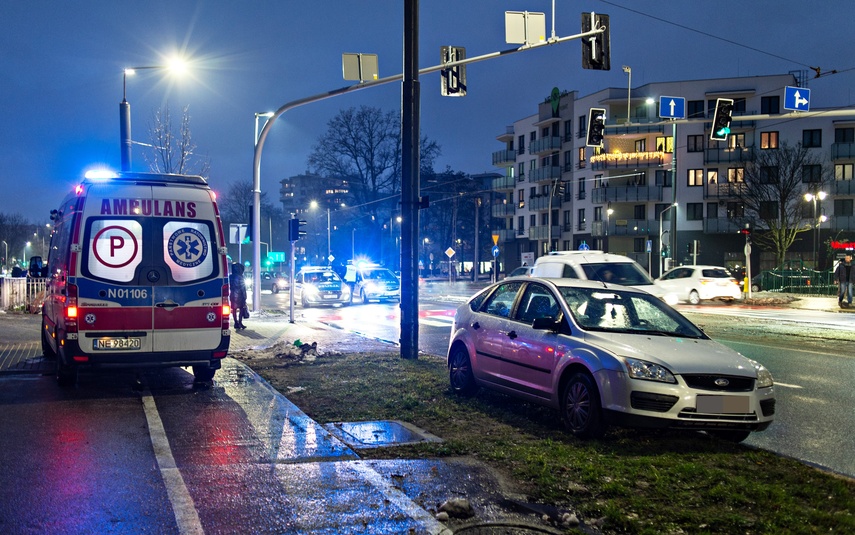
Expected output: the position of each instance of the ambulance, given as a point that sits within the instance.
(137, 277)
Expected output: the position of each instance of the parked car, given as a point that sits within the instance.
(694, 284)
(605, 354)
(522, 271)
(320, 286)
(599, 266)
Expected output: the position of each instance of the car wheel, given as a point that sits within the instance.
(460, 371)
(304, 302)
(755, 287)
(694, 297)
(203, 374)
(580, 407)
(47, 350)
(362, 296)
(275, 289)
(730, 436)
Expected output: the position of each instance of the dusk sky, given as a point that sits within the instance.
(61, 73)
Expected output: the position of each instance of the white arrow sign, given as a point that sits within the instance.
(800, 101)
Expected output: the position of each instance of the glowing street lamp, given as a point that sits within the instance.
(661, 257)
(175, 65)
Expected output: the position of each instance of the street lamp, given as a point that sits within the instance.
(175, 65)
(6, 255)
(628, 70)
(313, 205)
(609, 212)
(662, 258)
(24, 255)
(818, 220)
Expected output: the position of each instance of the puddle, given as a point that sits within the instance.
(379, 433)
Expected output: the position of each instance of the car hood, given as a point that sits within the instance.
(680, 355)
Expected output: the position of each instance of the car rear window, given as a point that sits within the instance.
(116, 249)
(626, 273)
(716, 274)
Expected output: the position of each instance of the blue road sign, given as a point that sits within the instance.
(797, 98)
(495, 250)
(672, 107)
(584, 246)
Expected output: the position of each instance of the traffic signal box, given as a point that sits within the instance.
(722, 119)
(596, 53)
(294, 230)
(596, 127)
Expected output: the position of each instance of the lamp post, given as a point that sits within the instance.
(628, 71)
(662, 258)
(24, 255)
(6, 255)
(313, 205)
(818, 220)
(609, 212)
(125, 141)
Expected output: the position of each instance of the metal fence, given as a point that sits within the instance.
(22, 293)
(802, 281)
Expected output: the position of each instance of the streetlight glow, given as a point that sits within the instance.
(819, 219)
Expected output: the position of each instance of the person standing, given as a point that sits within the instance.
(237, 294)
(843, 276)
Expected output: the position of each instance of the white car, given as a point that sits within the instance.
(694, 284)
(599, 266)
(605, 354)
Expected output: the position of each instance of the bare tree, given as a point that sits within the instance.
(364, 146)
(775, 183)
(171, 153)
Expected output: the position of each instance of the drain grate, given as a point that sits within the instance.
(379, 433)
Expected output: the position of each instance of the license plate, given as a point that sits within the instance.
(723, 404)
(329, 296)
(116, 343)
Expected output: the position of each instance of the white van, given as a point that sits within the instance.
(598, 266)
(137, 277)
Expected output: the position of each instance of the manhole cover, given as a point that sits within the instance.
(379, 433)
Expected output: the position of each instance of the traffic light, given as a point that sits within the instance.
(665, 251)
(596, 127)
(453, 79)
(294, 231)
(596, 49)
(746, 231)
(721, 119)
(559, 189)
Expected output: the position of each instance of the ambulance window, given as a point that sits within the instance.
(188, 250)
(115, 249)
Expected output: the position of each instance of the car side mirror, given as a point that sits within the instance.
(546, 324)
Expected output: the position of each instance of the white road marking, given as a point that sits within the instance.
(786, 385)
(183, 507)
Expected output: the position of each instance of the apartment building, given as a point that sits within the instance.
(555, 193)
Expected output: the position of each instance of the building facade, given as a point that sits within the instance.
(645, 195)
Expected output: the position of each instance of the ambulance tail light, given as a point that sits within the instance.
(227, 309)
(71, 308)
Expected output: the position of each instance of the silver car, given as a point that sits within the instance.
(605, 354)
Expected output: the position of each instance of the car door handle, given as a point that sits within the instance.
(476, 325)
(168, 304)
(512, 335)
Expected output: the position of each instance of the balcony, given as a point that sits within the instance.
(843, 187)
(503, 210)
(541, 202)
(504, 182)
(724, 189)
(545, 145)
(626, 193)
(544, 174)
(542, 232)
(842, 151)
(629, 160)
(842, 222)
(504, 158)
(506, 235)
(722, 225)
(735, 155)
(625, 227)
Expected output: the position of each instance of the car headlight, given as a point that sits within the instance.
(764, 376)
(310, 289)
(345, 290)
(640, 369)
